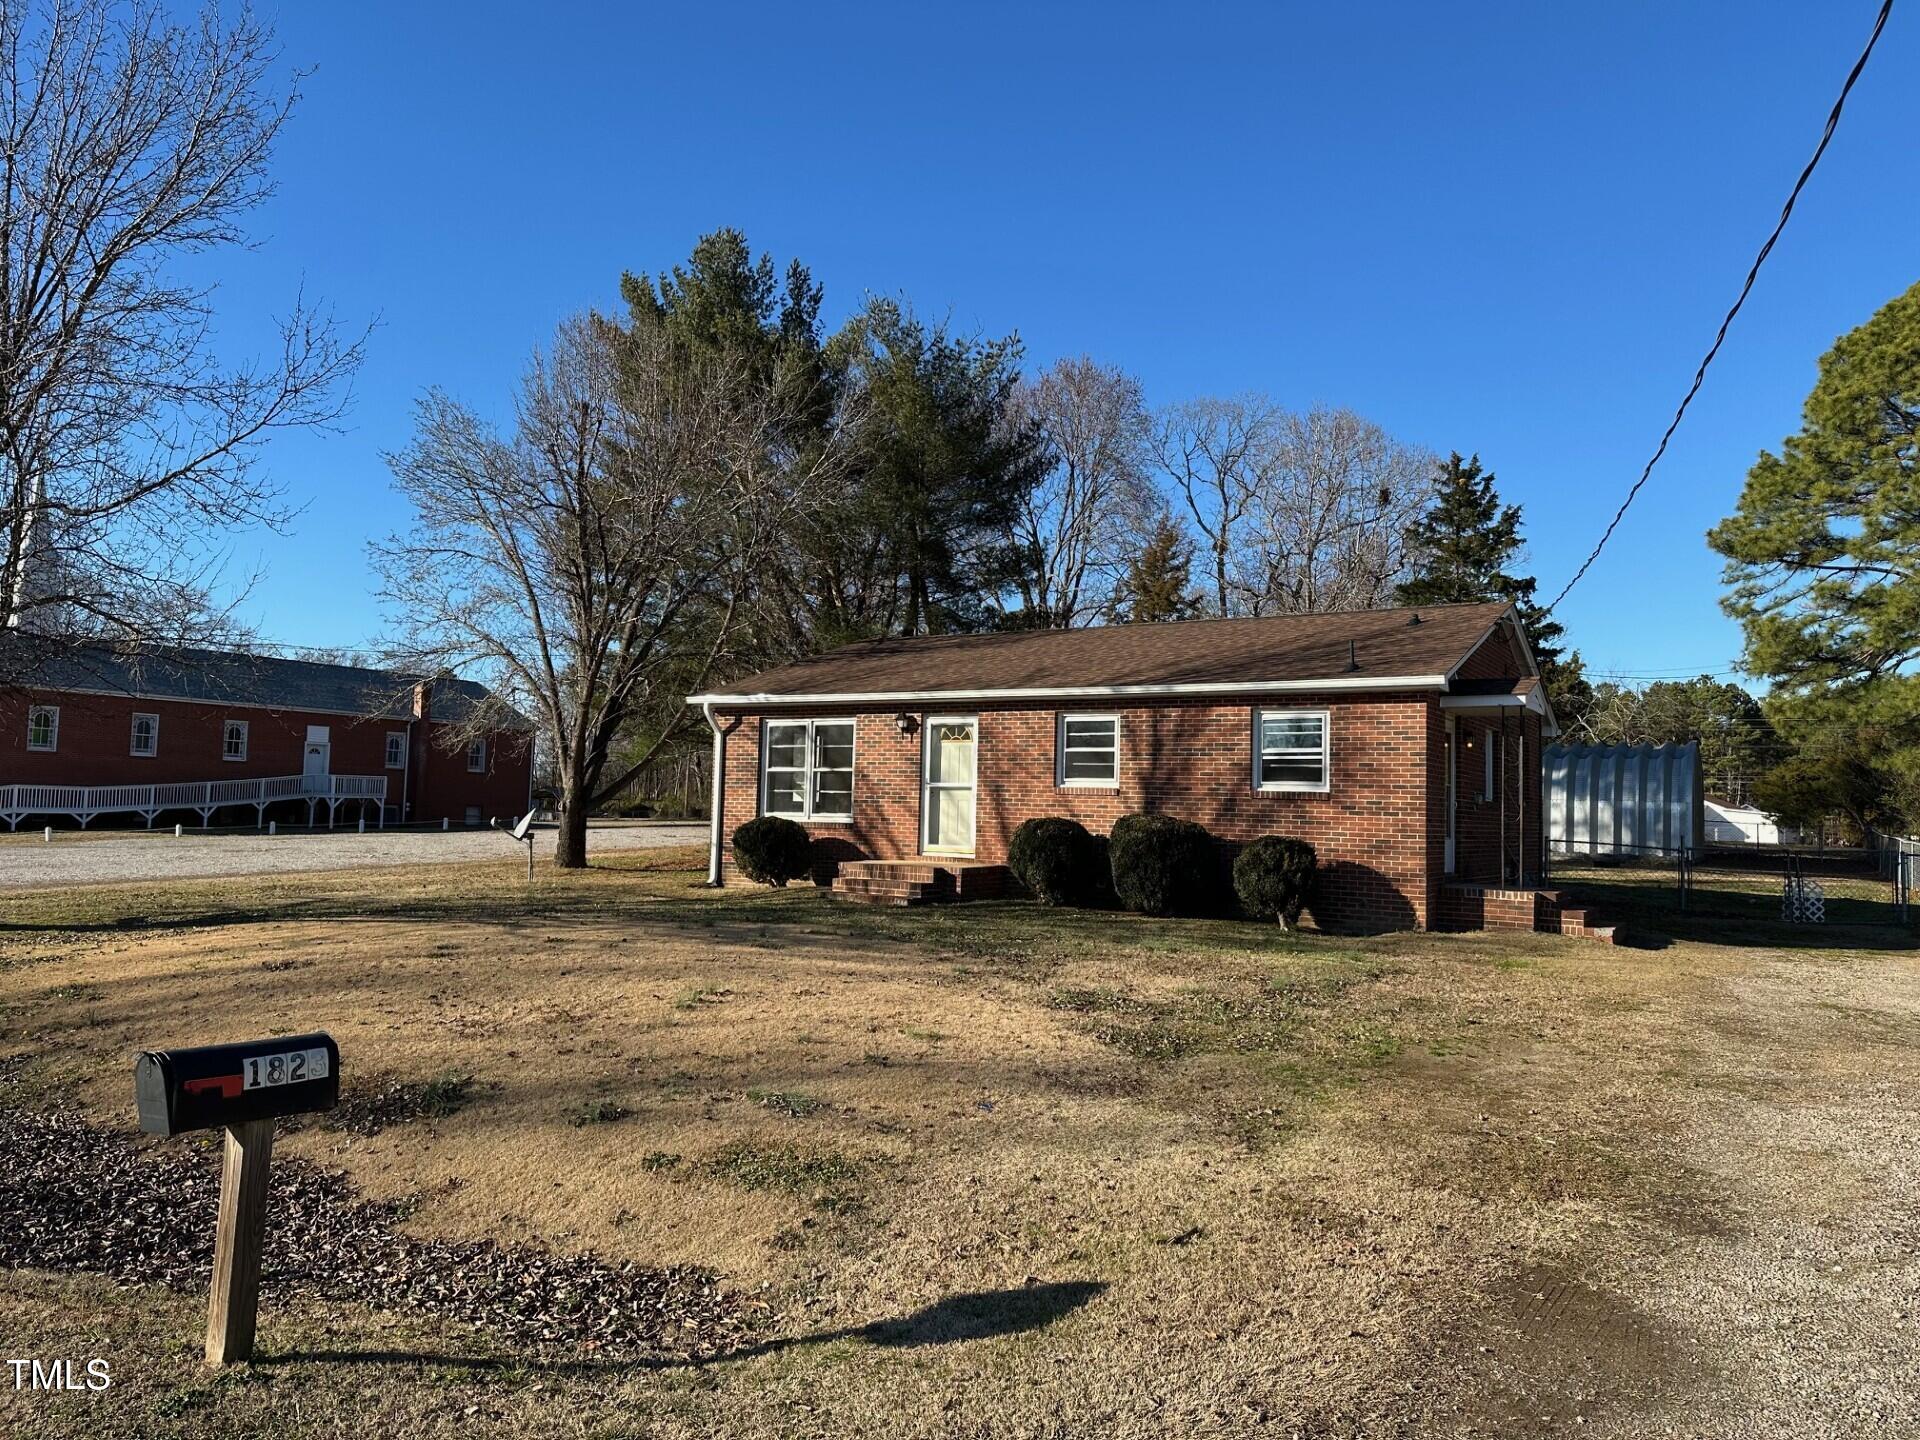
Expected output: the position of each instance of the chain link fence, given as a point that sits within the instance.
(1866, 885)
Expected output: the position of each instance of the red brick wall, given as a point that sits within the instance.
(95, 739)
(443, 787)
(1497, 658)
(1482, 907)
(1190, 758)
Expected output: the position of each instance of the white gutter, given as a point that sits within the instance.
(1080, 692)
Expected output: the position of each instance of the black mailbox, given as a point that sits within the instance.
(216, 1085)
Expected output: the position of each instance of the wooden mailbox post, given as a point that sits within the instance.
(241, 1089)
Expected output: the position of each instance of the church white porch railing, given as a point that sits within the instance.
(84, 802)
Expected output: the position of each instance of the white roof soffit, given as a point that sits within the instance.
(1530, 701)
(1087, 692)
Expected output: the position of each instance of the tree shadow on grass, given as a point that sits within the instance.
(975, 1315)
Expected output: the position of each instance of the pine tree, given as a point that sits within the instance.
(1157, 581)
(1823, 569)
(1465, 542)
(944, 462)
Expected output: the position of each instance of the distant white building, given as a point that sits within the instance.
(1744, 825)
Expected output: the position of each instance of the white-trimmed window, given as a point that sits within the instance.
(43, 727)
(145, 739)
(1087, 751)
(807, 769)
(396, 749)
(1290, 750)
(233, 740)
(1489, 765)
(477, 755)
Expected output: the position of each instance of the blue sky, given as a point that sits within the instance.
(1509, 228)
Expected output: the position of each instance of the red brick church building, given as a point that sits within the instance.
(216, 737)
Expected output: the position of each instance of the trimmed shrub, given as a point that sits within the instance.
(1055, 859)
(1273, 877)
(1163, 866)
(773, 850)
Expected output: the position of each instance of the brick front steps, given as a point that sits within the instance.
(919, 882)
(1549, 912)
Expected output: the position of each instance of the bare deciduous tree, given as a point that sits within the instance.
(127, 143)
(1218, 455)
(597, 560)
(1327, 527)
(1075, 531)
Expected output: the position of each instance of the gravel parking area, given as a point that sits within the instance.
(75, 859)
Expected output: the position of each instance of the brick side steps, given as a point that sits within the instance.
(1547, 912)
(919, 882)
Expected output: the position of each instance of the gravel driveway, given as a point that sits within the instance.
(73, 859)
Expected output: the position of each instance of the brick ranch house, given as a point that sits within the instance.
(1404, 744)
(92, 731)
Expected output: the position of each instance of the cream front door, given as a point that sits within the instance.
(946, 805)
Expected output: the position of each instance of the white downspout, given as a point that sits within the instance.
(719, 791)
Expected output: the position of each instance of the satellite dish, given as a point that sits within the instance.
(523, 832)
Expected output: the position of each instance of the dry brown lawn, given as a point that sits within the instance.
(1410, 1185)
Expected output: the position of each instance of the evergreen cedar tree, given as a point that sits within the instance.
(1466, 539)
(1158, 582)
(1822, 552)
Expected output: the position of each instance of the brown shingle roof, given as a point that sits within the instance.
(1220, 655)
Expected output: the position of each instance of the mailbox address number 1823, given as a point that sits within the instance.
(290, 1067)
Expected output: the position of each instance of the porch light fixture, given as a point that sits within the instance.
(906, 723)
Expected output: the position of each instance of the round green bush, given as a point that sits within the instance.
(1273, 877)
(1055, 859)
(773, 850)
(1163, 866)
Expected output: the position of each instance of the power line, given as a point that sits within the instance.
(1700, 375)
(1692, 672)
